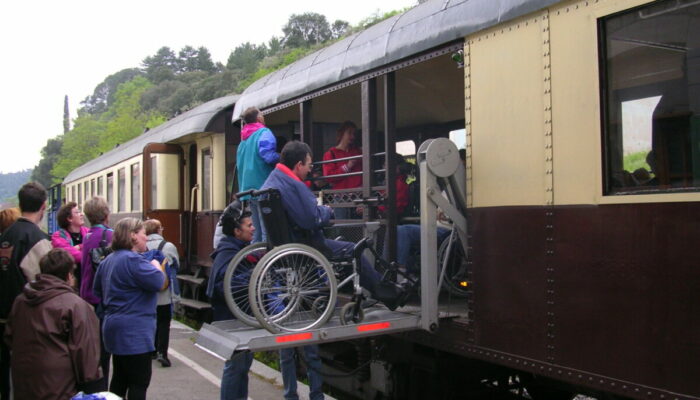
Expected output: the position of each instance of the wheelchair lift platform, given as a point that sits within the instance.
(223, 338)
(440, 165)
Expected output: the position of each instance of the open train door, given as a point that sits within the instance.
(163, 190)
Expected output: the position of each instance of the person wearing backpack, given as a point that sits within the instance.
(21, 247)
(97, 241)
(168, 296)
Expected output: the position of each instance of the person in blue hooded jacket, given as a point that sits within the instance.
(255, 158)
(238, 230)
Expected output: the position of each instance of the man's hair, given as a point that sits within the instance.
(293, 152)
(122, 233)
(345, 126)
(31, 197)
(8, 217)
(96, 210)
(57, 262)
(250, 115)
(232, 217)
(151, 226)
(64, 213)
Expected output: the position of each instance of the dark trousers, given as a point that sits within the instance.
(4, 367)
(164, 315)
(105, 357)
(132, 375)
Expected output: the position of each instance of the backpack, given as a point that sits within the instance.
(101, 252)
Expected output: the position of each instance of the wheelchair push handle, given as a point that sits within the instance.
(255, 192)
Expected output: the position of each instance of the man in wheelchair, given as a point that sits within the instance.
(307, 220)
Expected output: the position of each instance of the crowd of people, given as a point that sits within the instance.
(81, 300)
(86, 299)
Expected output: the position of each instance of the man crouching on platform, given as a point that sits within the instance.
(305, 214)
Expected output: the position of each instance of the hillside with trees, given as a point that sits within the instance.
(9, 186)
(168, 83)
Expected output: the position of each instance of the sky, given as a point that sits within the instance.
(58, 48)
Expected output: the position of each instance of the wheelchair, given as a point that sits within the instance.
(292, 286)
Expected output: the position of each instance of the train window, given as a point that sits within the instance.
(100, 181)
(651, 64)
(135, 187)
(206, 179)
(92, 188)
(110, 188)
(121, 190)
(72, 193)
(154, 182)
(86, 190)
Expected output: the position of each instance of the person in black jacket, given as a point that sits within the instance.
(238, 229)
(21, 247)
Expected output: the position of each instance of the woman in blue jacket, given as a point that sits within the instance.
(128, 285)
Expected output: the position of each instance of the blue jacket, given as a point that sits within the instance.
(299, 202)
(128, 286)
(255, 159)
(228, 247)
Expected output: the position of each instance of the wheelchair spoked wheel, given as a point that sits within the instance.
(237, 276)
(349, 316)
(455, 281)
(285, 286)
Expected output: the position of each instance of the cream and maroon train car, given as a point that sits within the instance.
(176, 172)
(581, 126)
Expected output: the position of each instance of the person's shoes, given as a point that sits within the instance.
(392, 295)
(163, 360)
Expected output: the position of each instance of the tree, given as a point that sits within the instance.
(246, 57)
(49, 155)
(204, 62)
(66, 115)
(164, 59)
(187, 59)
(339, 28)
(304, 30)
(103, 96)
(274, 45)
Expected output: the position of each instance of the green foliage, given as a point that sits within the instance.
(132, 100)
(634, 161)
(308, 29)
(50, 154)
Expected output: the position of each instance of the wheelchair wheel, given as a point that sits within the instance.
(237, 280)
(348, 316)
(455, 281)
(285, 285)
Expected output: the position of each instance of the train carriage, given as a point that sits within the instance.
(580, 256)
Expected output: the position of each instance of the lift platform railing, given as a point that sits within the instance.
(440, 169)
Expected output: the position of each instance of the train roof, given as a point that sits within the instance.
(421, 28)
(195, 120)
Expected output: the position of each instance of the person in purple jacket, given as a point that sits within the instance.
(97, 212)
(128, 286)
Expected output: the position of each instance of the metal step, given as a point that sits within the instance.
(196, 304)
(190, 279)
(224, 337)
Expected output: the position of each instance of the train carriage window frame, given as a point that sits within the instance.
(135, 170)
(121, 190)
(100, 182)
(650, 124)
(110, 189)
(207, 163)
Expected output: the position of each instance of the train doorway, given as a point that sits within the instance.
(163, 193)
